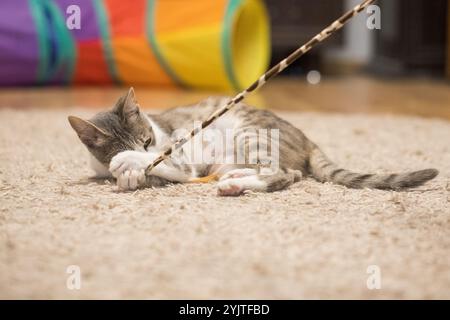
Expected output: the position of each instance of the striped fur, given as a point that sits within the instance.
(334, 27)
(324, 170)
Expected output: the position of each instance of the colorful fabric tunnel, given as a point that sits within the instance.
(215, 44)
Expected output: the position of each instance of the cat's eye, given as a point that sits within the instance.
(147, 143)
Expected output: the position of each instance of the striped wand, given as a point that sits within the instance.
(335, 26)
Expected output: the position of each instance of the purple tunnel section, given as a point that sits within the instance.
(22, 60)
(89, 28)
(19, 48)
(89, 24)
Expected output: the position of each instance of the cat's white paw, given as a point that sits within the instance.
(238, 173)
(129, 161)
(131, 179)
(237, 186)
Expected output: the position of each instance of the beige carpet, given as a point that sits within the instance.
(311, 241)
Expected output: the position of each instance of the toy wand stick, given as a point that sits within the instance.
(328, 31)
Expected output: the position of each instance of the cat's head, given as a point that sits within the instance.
(108, 133)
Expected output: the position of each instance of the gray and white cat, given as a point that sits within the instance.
(124, 141)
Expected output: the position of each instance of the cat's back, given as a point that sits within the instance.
(241, 115)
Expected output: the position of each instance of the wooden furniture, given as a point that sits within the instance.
(295, 22)
(412, 39)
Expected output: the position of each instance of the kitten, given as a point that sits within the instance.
(124, 141)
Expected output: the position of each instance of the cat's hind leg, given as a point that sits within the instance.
(238, 181)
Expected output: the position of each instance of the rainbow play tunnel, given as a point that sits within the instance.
(217, 44)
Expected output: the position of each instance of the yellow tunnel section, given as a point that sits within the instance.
(214, 44)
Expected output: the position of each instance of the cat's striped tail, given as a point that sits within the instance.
(324, 170)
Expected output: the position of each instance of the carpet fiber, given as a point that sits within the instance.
(311, 241)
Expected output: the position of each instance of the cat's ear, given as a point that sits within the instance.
(131, 107)
(127, 107)
(91, 135)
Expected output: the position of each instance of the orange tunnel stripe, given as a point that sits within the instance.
(177, 15)
(120, 13)
(135, 62)
(91, 66)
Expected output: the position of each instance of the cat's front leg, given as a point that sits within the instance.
(128, 168)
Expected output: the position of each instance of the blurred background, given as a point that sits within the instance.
(82, 53)
(412, 40)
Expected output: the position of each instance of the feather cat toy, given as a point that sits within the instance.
(276, 70)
